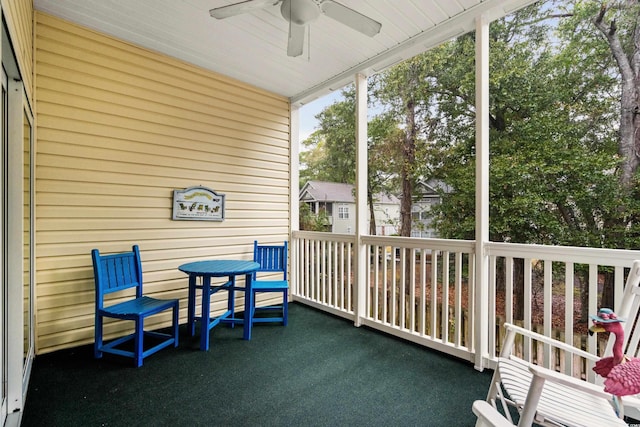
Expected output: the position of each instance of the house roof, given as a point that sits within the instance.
(252, 47)
(432, 186)
(320, 191)
(334, 192)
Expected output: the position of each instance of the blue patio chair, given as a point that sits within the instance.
(272, 259)
(118, 272)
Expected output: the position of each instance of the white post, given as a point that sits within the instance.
(294, 205)
(482, 193)
(360, 278)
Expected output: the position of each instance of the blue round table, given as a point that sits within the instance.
(218, 268)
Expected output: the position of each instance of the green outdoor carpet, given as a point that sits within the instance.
(319, 370)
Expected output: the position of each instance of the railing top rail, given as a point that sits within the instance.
(467, 246)
(319, 235)
(421, 243)
(599, 256)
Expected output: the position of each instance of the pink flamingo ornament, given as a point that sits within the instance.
(621, 374)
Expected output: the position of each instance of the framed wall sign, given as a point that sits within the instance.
(198, 204)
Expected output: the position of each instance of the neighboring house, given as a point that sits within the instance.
(421, 218)
(386, 209)
(338, 201)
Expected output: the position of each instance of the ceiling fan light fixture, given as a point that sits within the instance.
(300, 12)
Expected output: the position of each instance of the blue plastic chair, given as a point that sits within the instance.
(272, 259)
(118, 272)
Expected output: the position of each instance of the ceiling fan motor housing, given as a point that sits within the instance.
(300, 12)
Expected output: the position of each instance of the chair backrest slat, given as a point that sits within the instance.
(271, 258)
(116, 272)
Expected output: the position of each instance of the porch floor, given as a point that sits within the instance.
(317, 371)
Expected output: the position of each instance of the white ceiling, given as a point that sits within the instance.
(253, 47)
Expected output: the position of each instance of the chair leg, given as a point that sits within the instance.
(176, 326)
(253, 305)
(97, 343)
(285, 308)
(139, 341)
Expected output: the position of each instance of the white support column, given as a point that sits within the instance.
(360, 278)
(294, 204)
(482, 193)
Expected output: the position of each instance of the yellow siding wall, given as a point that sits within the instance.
(19, 16)
(119, 128)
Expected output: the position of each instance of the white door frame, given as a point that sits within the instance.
(19, 357)
(3, 294)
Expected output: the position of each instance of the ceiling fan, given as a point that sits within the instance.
(299, 13)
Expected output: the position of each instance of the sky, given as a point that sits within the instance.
(308, 112)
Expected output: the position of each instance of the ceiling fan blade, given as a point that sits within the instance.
(296, 39)
(238, 8)
(350, 18)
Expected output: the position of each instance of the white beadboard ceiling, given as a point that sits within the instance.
(253, 47)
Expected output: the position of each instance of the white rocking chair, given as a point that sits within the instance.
(551, 398)
(488, 416)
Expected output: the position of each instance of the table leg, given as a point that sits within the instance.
(191, 307)
(231, 300)
(206, 318)
(248, 307)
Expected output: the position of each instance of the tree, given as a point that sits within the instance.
(406, 90)
(334, 157)
(552, 153)
(311, 222)
(564, 127)
(331, 153)
(312, 159)
(553, 127)
(617, 24)
(551, 179)
(620, 25)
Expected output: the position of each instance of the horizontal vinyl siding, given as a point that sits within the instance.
(120, 128)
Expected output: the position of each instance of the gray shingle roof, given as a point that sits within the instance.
(323, 191)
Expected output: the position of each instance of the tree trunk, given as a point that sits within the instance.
(372, 215)
(629, 66)
(607, 290)
(518, 289)
(406, 173)
(583, 285)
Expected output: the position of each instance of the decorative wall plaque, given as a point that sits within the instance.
(198, 204)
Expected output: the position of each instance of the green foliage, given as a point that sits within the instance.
(407, 92)
(330, 153)
(312, 222)
(554, 127)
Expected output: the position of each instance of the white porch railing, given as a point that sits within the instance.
(423, 290)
